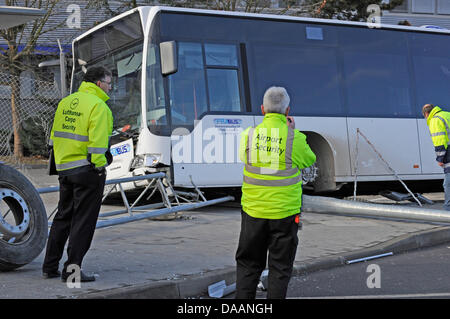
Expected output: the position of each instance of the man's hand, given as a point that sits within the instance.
(290, 122)
(100, 170)
(440, 164)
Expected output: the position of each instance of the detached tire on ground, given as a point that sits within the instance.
(23, 220)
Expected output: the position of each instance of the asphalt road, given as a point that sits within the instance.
(416, 274)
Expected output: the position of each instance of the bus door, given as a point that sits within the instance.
(208, 113)
(428, 156)
(210, 153)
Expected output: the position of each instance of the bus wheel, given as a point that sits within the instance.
(324, 180)
(23, 220)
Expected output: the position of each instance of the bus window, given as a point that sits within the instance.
(187, 86)
(222, 76)
(376, 73)
(221, 54)
(223, 87)
(125, 97)
(117, 47)
(156, 104)
(310, 74)
(431, 68)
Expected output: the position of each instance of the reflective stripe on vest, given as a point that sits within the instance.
(270, 171)
(289, 171)
(274, 182)
(72, 136)
(73, 164)
(97, 150)
(79, 138)
(442, 133)
(438, 134)
(289, 146)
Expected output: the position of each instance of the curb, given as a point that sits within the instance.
(190, 286)
(196, 285)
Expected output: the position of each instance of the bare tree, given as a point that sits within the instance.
(254, 6)
(21, 42)
(226, 5)
(111, 11)
(354, 10)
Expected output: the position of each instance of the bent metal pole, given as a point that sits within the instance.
(160, 212)
(144, 211)
(53, 189)
(327, 205)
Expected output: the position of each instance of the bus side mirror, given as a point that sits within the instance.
(169, 58)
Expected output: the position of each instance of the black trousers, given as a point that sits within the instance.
(80, 197)
(279, 238)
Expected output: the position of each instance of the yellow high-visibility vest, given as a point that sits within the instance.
(438, 123)
(274, 155)
(81, 129)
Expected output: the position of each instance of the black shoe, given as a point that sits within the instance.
(83, 277)
(51, 274)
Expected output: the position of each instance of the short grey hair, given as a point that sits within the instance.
(276, 100)
(427, 108)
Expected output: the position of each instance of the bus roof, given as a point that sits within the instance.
(146, 9)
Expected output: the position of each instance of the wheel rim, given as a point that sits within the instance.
(14, 216)
(309, 174)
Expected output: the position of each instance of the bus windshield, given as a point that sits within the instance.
(156, 104)
(118, 47)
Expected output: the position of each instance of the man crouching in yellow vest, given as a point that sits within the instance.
(274, 154)
(80, 136)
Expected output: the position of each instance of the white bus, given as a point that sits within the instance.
(187, 82)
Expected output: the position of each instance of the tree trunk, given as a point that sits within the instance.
(15, 95)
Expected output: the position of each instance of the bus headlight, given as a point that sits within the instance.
(147, 160)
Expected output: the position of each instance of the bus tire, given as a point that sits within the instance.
(24, 202)
(325, 180)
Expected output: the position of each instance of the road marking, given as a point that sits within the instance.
(430, 295)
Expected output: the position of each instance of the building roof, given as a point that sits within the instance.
(14, 16)
(70, 19)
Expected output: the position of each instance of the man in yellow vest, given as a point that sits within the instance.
(438, 123)
(274, 154)
(80, 135)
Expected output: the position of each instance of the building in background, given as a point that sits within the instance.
(70, 19)
(419, 13)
